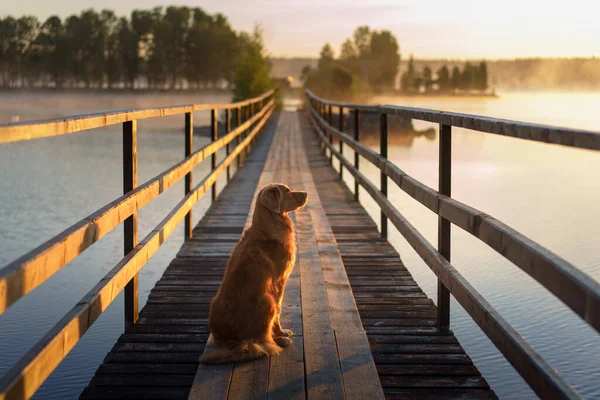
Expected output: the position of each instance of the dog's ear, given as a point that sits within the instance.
(271, 198)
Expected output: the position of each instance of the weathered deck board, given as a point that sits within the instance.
(360, 321)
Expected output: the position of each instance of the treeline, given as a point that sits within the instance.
(367, 62)
(471, 78)
(176, 47)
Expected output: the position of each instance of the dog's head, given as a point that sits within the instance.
(280, 199)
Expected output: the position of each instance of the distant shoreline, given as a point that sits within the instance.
(113, 90)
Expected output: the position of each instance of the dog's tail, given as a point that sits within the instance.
(244, 351)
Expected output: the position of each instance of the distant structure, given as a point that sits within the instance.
(285, 83)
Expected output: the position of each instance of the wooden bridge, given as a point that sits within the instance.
(363, 328)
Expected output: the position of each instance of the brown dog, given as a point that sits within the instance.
(244, 315)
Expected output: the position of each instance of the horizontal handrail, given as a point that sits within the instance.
(34, 268)
(536, 132)
(573, 287)
(37, 364)
(28, 130)
(534, 369)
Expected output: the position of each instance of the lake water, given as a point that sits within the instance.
(550, 194)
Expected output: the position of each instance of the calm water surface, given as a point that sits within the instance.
(548, 193)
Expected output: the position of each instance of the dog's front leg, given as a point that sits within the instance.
(278, 331)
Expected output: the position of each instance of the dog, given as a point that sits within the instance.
(244, 315)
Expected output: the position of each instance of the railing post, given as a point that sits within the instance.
(341, 129)
(330, 122)
(239, 136)
(383, 150)
(228, 147)
(356, 157)
(213, 157)
(131, 223)
(252, 112)
(246, 118)
(189, 140)
(445, 185)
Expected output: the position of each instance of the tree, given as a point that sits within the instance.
(482, 77)
(456, 78)
(175, 23)
(443, 80)
(384, 60)
(469, 77)
(408, 81)
(113, 69)
(427, 76)
(128, 49)
(326, 57)
(349, 56)
(51, 38)
(362, 41)
(252, 74)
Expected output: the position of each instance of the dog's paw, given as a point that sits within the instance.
(286, 333)
(283, 341)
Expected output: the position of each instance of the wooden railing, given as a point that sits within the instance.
(573, 287)
(34, 268)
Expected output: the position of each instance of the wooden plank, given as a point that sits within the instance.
(361, 380)
(359, 376)
(211, 381)
(250, 380)
(286, 375)
(143, 392)
(448, 394)
(147, 369)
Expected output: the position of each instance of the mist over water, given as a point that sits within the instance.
(546, 192)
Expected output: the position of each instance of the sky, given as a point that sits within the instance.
(449, 29)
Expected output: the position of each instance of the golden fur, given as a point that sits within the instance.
(244, 315)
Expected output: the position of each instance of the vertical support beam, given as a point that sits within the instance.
(252, 111)
(130, 225)
(239, 137)
(246, 118)
(228, 147)
(356, 156)
(189, 144)
(445, 185)
(213, 157)
(330, 122)
(341, 129)
(383, 150)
